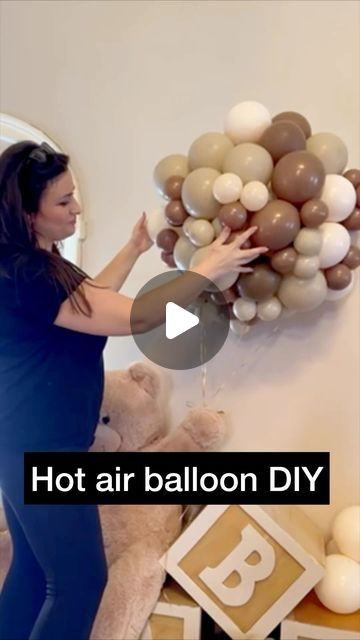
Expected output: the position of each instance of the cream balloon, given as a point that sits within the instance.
(336, 242)
(269, 310)
(308, 242)
(250, 162)
(187, 225)
(244, 310)
(331, 548)
(227, 188)
(330, 149)
(197, 193)
(333, 295)
(239, 328)
(201, 233)
(222, 282)
(339, 195)
(306, 266)
(209, 150)
(303, 294)
(217, 226)
(173, 165)
(254, 195)
(346, 532)
(183, 252)
(339, 589)
(247, 121)
(156, 222)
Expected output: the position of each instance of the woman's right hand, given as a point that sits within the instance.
(223, 258)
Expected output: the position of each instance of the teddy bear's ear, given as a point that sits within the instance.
(146, 377)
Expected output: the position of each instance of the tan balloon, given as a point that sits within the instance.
(259, 285)
(352, 223)
(352, 258)
(308, 242)
(297, 118)
(298, 176)
(197, 194)
(201, 233)
(284, 261)
(301, 294)
(173, 165)
(354, 176)
(330, 149)
(217, 226)
(278, 224)
(250, 162)
(269, 310)
(306, 266)
(183, 252)
(222, 282)
(338, 277)
(209, 150)
(281, 138)
(313, 213)
(173, 186)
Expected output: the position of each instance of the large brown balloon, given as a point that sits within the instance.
(354, 176)
(352, 223)
(259, 285)
(296, 118)
(172, 187)
(278, 224)
(313, 213)
(166, 239)
(298, 176)
(175, 213)
(233, 215)
(281, 138)
(352, 258)
(284, 261)
(338, 277)
(358, 196)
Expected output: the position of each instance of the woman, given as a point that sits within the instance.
(54, 323)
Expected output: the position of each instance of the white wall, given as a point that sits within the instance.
(121, 84)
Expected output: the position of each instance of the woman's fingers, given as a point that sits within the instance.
(245, 235)
(223, 235)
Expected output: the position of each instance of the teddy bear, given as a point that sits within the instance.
(133, 418)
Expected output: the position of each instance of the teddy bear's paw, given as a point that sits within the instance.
(206, 427)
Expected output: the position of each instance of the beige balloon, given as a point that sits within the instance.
(303, 294)
(187, 225)
(201, 233)
(330, 149)
(209, 150)
(217, 226)
(222, 282)
(306, 266)
(308, 242)
(244, 310)
(197, 195)
(173, 165)
(156, 222)
(239, 328)
(183, 252)
(269, 310)
(250, 162)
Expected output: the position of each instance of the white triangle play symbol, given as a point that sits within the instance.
(178, 320)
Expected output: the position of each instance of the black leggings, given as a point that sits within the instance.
(58, 570)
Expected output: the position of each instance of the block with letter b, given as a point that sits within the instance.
(248, 566)
(175, 616)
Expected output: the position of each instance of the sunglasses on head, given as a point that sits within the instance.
(41, 153)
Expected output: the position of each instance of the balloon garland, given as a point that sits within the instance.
(275, 174)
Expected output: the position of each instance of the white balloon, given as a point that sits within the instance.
(227, 188)
(201, 233)
(335, 244)
(156, 222)
(337, 294)
(269, 310)
(339, 590)
(239, 328)
(340, 196)
(183, 252)
(222, 282)
(346, 532)
(247, 121)
(254, 196)
(244, 310)
(306, 266)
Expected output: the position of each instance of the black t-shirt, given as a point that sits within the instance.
(51, 379)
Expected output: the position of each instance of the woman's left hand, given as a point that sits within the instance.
(140, 237)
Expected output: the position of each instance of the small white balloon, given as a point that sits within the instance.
(244, 310)
(183, 252)
(156, 222)
(227, 188)
(239, 328)
(306, 266)
(346, 532)
(247, 121)
(254, 196)
(269, 310)
(335, 244)
(201, 233)
(340, 196)
(338, 294)
(339, 590)
(308, 242)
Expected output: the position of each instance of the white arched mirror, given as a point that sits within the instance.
(14, 130)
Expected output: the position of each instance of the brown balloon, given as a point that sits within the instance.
(352, 258)
(296, 118)
(338, 277)
(175, 213)
(166, 239)
(352, 223)
(168, 258)
(354, 176)
(172, 187)
(284, 261)
(281, 138)
(259, 285)
(358, 196)
(228, 296)
(313, 213)
(233, 215)
(278, 224)
(298, 176)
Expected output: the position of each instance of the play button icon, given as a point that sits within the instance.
(178, 320)
(188, 336)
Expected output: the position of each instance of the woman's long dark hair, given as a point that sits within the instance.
(22, 182)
